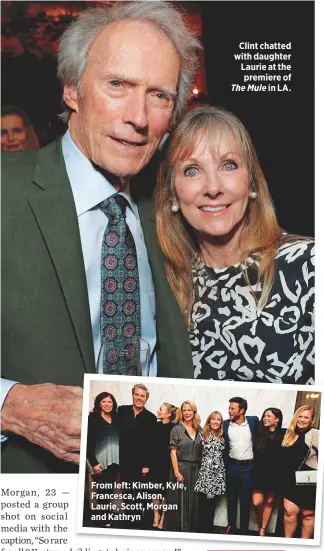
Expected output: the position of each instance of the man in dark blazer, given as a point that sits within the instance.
(136, 430)
(125, 75)
(137, 427)
(240, 433)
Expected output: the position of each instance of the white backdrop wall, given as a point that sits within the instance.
(208, 396)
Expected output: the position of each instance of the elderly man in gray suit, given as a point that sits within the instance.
(126, 72)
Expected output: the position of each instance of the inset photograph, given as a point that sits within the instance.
(201, 460)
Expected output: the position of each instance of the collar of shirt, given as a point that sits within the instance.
(89, 186)
(239, 424)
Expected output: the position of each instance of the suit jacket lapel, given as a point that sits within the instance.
(53, 207)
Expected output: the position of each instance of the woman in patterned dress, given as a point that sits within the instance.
(211, 482)
(267, 465)
(245, 287)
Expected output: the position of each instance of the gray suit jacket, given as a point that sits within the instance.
(45, 311)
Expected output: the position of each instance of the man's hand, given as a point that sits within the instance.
(47, 415)
(145, 470)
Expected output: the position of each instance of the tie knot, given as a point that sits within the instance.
(114, 206)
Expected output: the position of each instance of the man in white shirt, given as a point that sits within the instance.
(126, 72)
(240, 432)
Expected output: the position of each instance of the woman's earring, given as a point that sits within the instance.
(175, 207)
(253, 194)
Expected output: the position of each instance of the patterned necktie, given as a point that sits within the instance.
(120, 299)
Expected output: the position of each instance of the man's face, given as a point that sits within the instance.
(128, 94)
(234, 411)
(139, 398)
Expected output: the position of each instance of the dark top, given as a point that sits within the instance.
(162, 457)
(232, 339)
(162, 441)
(267, 461)
(188, 449)
(136, 437)
(102, 442)
(292, 460)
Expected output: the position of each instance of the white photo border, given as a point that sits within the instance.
(238, 388)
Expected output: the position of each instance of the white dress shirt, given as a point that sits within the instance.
(240, 441)
(89, 188)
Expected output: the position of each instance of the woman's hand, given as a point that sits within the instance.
(179, 477)
(97, 469)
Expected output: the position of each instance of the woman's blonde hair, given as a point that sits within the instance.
(260, 231)
(196, 418)
(206, 429)
(174, 411)
(290, 435)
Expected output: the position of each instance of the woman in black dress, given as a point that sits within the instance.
(186, 448)
(299, 452)
(168, 415)
(211, 483)
(267, 465)
(103, 440)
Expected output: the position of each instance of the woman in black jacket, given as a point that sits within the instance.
(103, 440)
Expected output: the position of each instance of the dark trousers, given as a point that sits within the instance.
(206, 513)
(239, 486)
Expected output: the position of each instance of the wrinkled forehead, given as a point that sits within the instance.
(215, 140)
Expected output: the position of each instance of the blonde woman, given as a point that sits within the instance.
(245, 288)
(17, 131)
(186, 447)
(168, 416)
(299, 452)
(211, 483)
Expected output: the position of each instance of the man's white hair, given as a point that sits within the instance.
(79, 36)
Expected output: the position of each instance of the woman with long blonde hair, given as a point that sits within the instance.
(299, 453)
(185, 446)
(168, 416)
(211, 482)
(244, 286)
